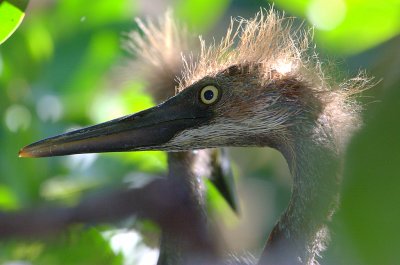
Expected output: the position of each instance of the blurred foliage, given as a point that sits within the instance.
(348, 26)
(366, 227)
(12, 13)
(198, 15)
(58, 71)
(68, 250)
(371, 195)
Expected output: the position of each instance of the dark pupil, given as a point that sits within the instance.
(208, 95)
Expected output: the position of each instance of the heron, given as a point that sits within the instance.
(261, 85)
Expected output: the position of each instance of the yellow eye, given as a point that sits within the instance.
(209, 94)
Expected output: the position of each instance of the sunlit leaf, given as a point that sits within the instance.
(200, 15)
(147, 161)
(11, 14)
(87, 15)
(73, 248)
(8, 200)
(39, 41)
(348, 26)
(134, 98)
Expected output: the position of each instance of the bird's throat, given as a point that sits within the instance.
(302, 233)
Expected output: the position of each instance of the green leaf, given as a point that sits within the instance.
(11, 14)
(370, 212)
(200, 15)
(8, 200)
(348, 26)
(77, 247)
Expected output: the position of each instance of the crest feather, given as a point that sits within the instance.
(270, 42)
(158, 52)
(267, 40)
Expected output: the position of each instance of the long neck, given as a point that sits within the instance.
(302, 232)
(188, 184)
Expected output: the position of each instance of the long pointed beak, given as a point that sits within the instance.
(146, 130)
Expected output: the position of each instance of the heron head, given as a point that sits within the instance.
(252, 93)
(234, 107)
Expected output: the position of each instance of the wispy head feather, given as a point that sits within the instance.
(158, 51)
(267, 40)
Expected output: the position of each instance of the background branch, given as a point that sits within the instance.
(161, 201)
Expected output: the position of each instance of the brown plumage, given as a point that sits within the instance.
(276, 94)
(261, 86)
